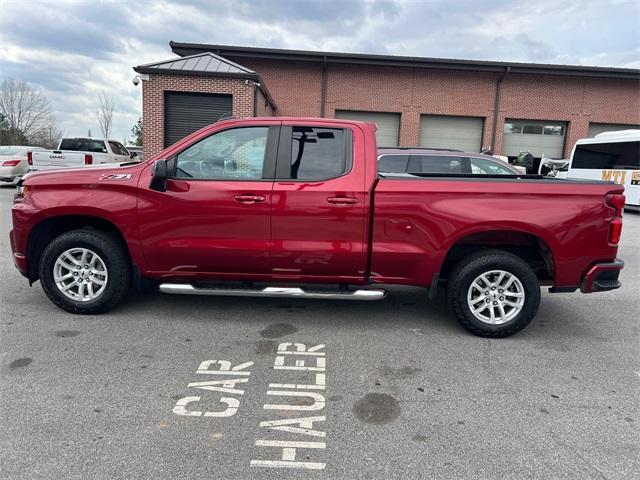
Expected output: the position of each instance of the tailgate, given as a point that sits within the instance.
(57, 159)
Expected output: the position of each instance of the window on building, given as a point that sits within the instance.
(235, 154)
(319, 153)
(532, 129)
(510, 127)
(554, 130)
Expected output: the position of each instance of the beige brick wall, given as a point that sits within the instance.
(296, 89)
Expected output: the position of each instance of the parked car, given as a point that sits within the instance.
(75, 152)
(200, 219)
(423, 160)
(610, 156)
(14, 161)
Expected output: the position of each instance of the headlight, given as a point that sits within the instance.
(22, 192)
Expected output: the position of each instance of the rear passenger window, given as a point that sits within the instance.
(393, 163)
(97, 146)
(437, 164)
(319, 153)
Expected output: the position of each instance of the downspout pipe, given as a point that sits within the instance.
(255, 99)
(323, 87)
(496, 108)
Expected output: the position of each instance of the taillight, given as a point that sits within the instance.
(10, 163)
(30, 158)
(88, 159)
(615, 230)
(616, 201)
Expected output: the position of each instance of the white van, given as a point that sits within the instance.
(610, 156)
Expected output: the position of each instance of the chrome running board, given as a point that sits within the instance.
(274, 292)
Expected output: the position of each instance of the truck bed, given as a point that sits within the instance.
(418, 218)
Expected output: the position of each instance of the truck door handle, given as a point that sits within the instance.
(249, 199)
(342, 200)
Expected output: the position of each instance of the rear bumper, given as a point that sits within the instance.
(602, 277)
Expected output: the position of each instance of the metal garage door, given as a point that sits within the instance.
(460, 133)
(596, 128)
(184, 113)
(388, 124)
(537, 137)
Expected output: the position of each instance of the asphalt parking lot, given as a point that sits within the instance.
(407, 393)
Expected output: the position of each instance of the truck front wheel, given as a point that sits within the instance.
(493, 293)
(85, 271)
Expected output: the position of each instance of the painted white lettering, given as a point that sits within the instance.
(300, 349)
(320, 365)
(318, 400)
(225, 368)
(180, 408)
(305, 425)
(289, 454)
(228, 385)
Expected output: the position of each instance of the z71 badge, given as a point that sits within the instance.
(115, 176)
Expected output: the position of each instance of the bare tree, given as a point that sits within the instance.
(49, 137)
(105, 114)
(25, 108)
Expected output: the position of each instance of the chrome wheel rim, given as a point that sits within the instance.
(80, 274)
(496, 297)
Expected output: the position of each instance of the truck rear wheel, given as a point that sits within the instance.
(494, 293)
(85, 271)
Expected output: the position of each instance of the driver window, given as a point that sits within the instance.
(235, 154)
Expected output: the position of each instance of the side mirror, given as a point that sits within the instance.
(159, 176)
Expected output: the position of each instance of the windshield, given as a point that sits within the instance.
(7, 150)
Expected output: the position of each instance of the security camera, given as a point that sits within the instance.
(136, 80)
(247, 82)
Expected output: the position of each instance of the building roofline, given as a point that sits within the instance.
(184, 49)
(247, 74)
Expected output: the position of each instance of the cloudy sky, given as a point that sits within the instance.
(74, 50)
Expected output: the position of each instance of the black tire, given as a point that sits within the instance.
(472, 266)
(114, 257)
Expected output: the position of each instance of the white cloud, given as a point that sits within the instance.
(74, 50)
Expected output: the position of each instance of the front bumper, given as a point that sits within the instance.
(602, 277)
(19, 259)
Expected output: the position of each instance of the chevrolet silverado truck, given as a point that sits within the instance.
(296, 207)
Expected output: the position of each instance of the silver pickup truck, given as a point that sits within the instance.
(77, 152)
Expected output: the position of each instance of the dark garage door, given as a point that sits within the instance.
(184, 113)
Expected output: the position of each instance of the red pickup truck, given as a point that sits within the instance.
(296, 207)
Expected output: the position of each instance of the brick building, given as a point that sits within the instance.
(440, 103)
